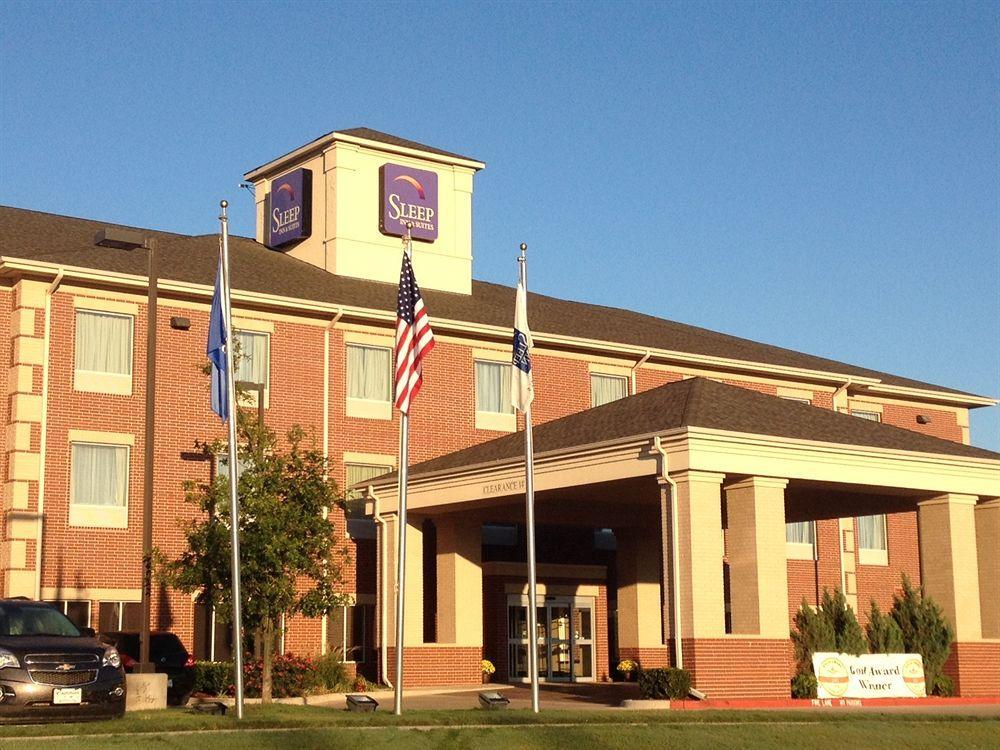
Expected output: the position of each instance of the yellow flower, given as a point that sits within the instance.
(486, 667)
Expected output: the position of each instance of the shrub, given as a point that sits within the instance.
(831, 627)
(804, 685)
(884, 634)
(360, 685)
(944, 686)
(926, 632)
(664, 683)
(331, 673)
(213, 677)
(290, 676)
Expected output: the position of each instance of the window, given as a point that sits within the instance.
(800, 540)
(493, 405)
(369, 382)
(103, 358)
(806, 401)
(213, 638)
(99, 485)
(359, 526)
(360, 473)
(872, 416)
(115, 616)
(352, 629)
(252, 350)
(873, 548)
(607, 388)
(77, 612)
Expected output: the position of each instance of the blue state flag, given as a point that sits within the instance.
(218, 337)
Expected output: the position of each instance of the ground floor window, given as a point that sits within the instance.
(78, 612)
(118, 616)
(352, 630)
(873, 542)
(213, 637)
(564, 638)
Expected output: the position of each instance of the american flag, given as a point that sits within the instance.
(414, 338)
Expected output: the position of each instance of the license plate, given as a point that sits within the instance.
(64, 696)
(170, 683)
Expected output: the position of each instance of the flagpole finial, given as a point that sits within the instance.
(524, 249)
(223, 204)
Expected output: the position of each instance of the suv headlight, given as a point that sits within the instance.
(111, 659)
(7, 659)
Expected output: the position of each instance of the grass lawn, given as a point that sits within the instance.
(286, 727)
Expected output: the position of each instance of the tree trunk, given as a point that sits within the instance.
(265, 681)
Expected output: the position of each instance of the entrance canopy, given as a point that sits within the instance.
(700, 425)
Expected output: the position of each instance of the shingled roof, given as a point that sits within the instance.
(696, 402)
(255, 268)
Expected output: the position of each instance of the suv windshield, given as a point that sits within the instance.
(34, 619)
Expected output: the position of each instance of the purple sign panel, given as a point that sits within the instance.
(290, 208)
(408, 196)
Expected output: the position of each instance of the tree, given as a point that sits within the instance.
(926, 632)
(884, 634)
(289, 558)
(832, 626)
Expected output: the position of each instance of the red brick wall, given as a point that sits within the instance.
(6, 360)
(943, 423)
(425, 666)
(974, 668)
(880, 582)
(739, 667)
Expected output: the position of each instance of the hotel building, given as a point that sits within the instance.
(693, 488)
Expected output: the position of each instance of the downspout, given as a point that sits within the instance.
(382, 589)
(840, 531)
(637, 365)
(675, 574)
(326, 439)
(50, 290)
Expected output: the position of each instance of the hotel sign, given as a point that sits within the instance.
(869, 675)
(408, 195)
(289, 208)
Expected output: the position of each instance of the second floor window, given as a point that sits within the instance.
(99, 474)
(872, 416)
(607, 388)
(103, 343)
(800, 532)
(252, 363)
(493, 388)
(368, 373)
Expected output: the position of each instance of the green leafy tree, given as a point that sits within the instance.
(850, 638)
(290, 562)
(884, 633)
(925, 631)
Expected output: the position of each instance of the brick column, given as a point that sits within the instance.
(22, 443)
(640, 625)
(949, 567)
(414, 625)
(988, 552)
(459, 581)
(699, 520)
(758, 569)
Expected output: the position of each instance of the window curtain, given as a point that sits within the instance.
(493, 387)
(606, 388)
(251, 365)
(800, 532)
(872, 416)
(104, 343)
(100, 474)
(368, 373)
(871, 532)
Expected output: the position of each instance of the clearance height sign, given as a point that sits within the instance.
(869, 675)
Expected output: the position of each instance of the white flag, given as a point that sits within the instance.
(522, 389)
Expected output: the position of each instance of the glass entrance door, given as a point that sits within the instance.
(564, 638)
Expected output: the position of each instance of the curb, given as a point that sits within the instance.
(325, 699)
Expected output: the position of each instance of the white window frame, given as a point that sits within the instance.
(872, 416)
(492, 420)
(100, 516)
(64, 607)
(874, 556)
(365, 408)
(253, 395)
(95, 381)
(607, 376)
(801, 550)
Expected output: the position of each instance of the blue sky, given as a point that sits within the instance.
(818, 176)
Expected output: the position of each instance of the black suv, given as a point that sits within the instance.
(167, 654)
(51, 670)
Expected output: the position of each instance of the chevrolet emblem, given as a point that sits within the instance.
(64, 667)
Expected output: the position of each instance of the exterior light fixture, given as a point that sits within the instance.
(923, 419)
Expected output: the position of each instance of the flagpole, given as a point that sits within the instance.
(404, 452)
(234, 512)
(529, 495)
